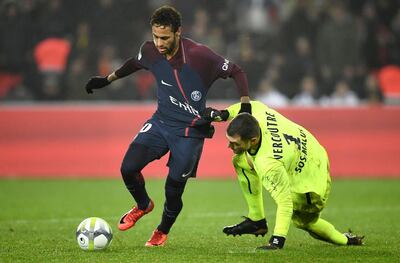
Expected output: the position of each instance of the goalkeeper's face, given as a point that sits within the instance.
(165, 40)
(237, 145)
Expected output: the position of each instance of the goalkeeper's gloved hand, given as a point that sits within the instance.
(211, 114)
(275, 242)
(96, 83)
(245, 107)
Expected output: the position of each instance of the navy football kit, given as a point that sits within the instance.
(176, 127)
(183, 83)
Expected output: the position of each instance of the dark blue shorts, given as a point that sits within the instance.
(185, 152)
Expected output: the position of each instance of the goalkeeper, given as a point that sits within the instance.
(286, 159)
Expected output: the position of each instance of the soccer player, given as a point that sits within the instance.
(286, 159)
(184, 71)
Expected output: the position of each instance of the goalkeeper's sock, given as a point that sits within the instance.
(324, 230)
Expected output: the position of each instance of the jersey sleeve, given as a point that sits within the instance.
(276, 181)
(135, 63)
(223, 68)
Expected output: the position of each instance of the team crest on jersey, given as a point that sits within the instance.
(196, 95)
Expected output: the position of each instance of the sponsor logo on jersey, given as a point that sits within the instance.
(225, 65)
(185, 106)
(196, 95)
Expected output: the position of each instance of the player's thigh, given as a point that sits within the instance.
(307, 208)
(185, 153)
(148, 145)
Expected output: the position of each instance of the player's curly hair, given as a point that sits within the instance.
(244, 125)
(166, 16)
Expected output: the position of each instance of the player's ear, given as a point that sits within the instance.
(253, 140)
(178, 31)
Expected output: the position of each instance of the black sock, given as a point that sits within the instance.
(173, 204)
(136, 186)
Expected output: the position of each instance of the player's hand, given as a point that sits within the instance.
(245, 107)
(211, 114)
(275, 242)
(96, 83)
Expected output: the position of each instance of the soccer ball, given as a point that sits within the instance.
(94, 233)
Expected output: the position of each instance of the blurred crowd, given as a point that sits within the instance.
(295, 52)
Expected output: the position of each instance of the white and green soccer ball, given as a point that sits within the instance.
(94, 233)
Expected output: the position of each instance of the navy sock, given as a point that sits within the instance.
(173, 204)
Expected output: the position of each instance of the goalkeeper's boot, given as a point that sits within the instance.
(157, 239)
(248, 226)
(130, 218)
(354, 240)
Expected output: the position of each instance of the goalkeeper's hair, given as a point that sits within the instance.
(244, 125)
(166, 16)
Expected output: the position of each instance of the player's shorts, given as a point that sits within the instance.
(185, 152)
(307, 207)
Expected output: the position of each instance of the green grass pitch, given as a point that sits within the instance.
(38, 219)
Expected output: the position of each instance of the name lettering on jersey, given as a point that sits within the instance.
(225, 65)
(185, 106)
(272, 127)
(303, 151)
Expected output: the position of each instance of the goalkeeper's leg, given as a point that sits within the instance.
(321, 229)
(255, 222)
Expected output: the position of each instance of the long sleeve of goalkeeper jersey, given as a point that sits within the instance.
(276, 181)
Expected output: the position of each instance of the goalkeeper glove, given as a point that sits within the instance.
(245, 107)
(96, 83)
(275, 242)
(211, 114)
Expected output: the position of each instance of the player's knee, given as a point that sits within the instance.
(303, 220)
(129, 169)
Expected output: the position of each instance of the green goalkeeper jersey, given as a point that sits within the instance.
(290, 162)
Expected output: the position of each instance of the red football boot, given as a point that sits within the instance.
(157, 239)
(130, 218)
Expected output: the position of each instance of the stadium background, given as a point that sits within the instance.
(332, 66)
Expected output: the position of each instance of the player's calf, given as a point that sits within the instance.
(248, 226)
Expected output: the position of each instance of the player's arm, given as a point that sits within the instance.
(130, 66)
(241, 82)
(98, 82)
(277, 184)
(224, 68)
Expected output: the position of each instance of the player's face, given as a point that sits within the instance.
(165, 40)
(238, 145)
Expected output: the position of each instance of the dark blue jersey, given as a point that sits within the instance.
(183, 83)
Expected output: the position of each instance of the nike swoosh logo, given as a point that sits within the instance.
(187, 174)
(165, 83)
